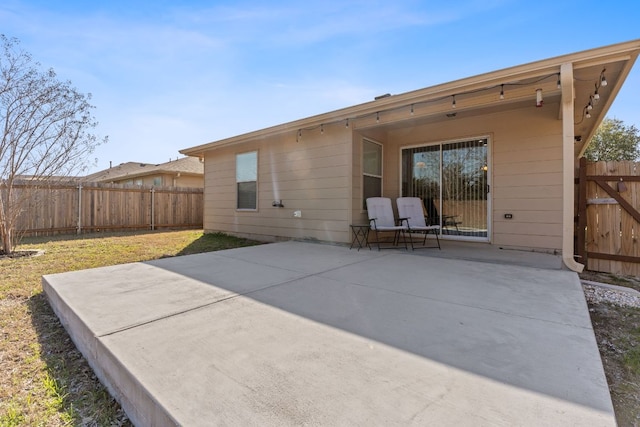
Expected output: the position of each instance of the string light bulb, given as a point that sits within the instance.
(589, 106)
(603, 79)
(588, 115)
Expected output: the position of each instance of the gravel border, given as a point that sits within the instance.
(596, 292)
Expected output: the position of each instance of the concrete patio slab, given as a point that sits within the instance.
(299, 333)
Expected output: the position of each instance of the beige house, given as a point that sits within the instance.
(496, 153)
(184, 172)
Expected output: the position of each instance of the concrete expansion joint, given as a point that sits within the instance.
(310, 274)
(493, 310)
(178, 313)
(199, 307)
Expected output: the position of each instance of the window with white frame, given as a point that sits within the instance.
(247, 180)
(371, 170)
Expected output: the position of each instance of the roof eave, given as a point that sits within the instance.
(519, 72)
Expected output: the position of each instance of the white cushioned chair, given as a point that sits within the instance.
(411, 214)
(381, 219)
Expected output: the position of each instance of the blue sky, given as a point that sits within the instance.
(170, 75)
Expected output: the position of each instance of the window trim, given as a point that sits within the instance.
(238, 209)
(363, 173)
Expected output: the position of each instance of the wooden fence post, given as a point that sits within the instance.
(581, 250)
(79, 208)
(153, 205)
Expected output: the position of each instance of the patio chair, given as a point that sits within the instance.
(381, 220)
(435, 219)
(410, 210)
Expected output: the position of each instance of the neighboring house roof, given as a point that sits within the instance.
(579, 73)
(55, 179)
(129, 170)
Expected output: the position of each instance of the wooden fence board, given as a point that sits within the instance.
(627, 222)
(65, 208)
(634, 198)
(612, 199)
(613, 231)
(592, 220)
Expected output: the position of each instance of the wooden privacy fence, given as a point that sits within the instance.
(608, 219)
(89, 207)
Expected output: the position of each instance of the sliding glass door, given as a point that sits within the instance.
(451, 179)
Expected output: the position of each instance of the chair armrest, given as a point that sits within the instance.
(401, 222)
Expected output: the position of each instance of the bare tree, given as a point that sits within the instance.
(46, 126)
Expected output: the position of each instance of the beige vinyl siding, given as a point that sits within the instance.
(527, 174)
(167, 180)
(188, 181)
(321, 175)
(311, 175)
(525, 164)
(146, 180)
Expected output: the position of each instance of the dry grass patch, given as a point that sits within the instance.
(617, 331)
(45, 380)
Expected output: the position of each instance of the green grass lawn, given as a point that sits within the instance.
(45, 380)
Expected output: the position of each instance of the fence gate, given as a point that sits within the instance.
(608, 219)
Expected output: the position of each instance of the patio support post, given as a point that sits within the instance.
(568, 167)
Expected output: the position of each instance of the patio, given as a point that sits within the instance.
(303, 333)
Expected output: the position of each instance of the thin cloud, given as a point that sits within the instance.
(300, 24)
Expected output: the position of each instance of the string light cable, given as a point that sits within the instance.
(593, 99)
(412, 106)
